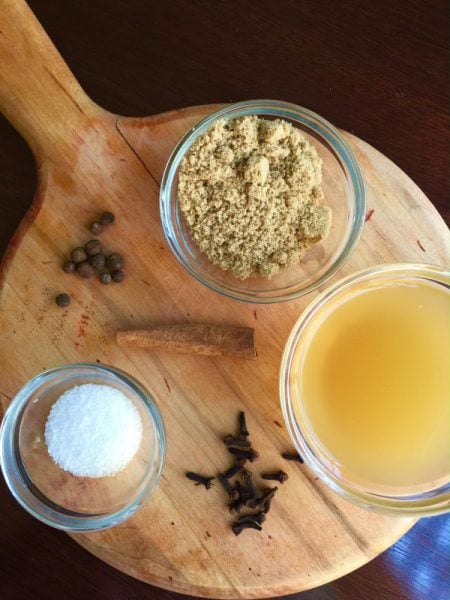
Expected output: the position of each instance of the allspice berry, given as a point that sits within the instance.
(62, 300)
(85, 269)
(117, 276)
(78, 255)
(115, 262)
(69, 266)
(105, 278)
(98, 261)
(107, 218)
(95, 227)
(93, 247)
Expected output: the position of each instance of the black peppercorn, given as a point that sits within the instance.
(85, 269)
(93, 247)
(105, 278)
(95, 227)
(115, 262)
(69, 266)
(117, 276)
(78, 255)
(98, 261)
(107, 218)
(62, 300)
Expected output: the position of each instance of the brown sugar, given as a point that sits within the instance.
(250, 192)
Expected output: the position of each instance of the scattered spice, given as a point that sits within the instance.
(78, 255)
(85, 269)
(96, 228)
(280, 476)
(62, 300)
(193, 338)
(255, 517)
(242, 494)
(117, 276)
(243, 431)
(107, 218)
(247, 478)
(249, 454)
(90, 259)
(98, 261)
(93, 247)
(232, 492)
(236, 441)
(69, 266)
(115, 262)
(232, 471)
(267, 500)
(263, 501)
(200, 479)
(238, 528)
(249, 189)
(292, 456)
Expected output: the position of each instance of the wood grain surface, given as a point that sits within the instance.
(146, 152)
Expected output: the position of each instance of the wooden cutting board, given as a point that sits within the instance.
(89, 160)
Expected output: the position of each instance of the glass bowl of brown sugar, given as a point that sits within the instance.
(262, 201)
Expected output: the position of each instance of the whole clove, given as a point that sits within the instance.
(255, 517)
(280, 476)
(247, 478)
(232, 471)
(236, 505)
(231, 491)
(267, 498)
(200, 479)
(267, 504)
(292, 456)
(249, 454)
(243, 431)
(238, 528)
(244, 493)
(230, 440)
(264, 500)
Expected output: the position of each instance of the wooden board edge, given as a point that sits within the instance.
(256, 593)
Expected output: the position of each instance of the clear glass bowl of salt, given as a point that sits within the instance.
(82, 447)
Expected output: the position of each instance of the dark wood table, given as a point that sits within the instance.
(376, 68)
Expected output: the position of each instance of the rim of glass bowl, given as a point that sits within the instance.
(276, 108)
(13, 470)
(424, 504)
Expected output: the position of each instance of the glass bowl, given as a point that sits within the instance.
(344, 192)
(56, 497)
(428, 498)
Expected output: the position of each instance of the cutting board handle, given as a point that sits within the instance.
(38, 93)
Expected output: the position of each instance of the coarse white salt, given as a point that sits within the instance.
(93, 431)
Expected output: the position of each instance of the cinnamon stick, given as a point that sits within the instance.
(193, 338)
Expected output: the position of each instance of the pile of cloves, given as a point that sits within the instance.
(238, 481)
